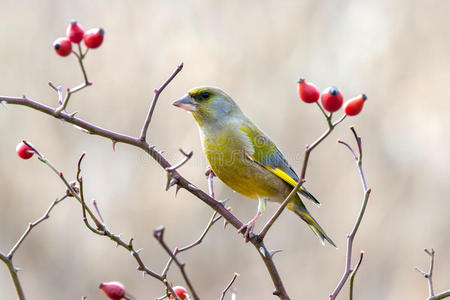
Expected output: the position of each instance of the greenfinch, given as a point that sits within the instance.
(243, 157)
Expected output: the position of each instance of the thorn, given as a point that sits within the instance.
(170, 182)
(177, 189)
(143, 274)
(114, 145)
(273, 252)
(4, 103)
(223, 202)
(17, 269)
(72, 114)
(138, 250)
(225, 223)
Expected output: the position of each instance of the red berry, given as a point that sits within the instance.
(24, 151)
(62, 46)
(75, 32)
(307, 91)
(93, 38)
(181, 292)
(113, 290)
(353, 106)
(332, 99)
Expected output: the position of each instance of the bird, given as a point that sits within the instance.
(245, 158)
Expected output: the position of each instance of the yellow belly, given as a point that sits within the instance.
(227, 157)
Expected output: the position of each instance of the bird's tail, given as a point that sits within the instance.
(299, 208)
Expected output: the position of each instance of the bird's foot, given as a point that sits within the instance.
(209, 171)
(247, 230)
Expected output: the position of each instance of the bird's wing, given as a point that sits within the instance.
(266, 153)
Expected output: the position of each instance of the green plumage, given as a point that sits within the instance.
(242, 156)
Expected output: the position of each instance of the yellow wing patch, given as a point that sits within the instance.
(283, 175)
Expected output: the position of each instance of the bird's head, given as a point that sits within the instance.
(207, 104)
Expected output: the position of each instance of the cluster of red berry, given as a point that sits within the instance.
(115, 290)
(92, 38)
(331, 98)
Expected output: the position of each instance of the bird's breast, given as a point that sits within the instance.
(227, 153)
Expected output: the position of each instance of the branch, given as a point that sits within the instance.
(308, 150)
(440, 296)
(159, 235)
(63, 103)
(351, 236)
(187, 156)
(235, 275)
(429, 276)
(352, 276)
(13, 273)
(157, 92)
(8, 258)
(181, 182)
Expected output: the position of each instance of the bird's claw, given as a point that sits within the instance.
(247, 230)
(209, 171)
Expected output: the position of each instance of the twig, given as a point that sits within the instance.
(159, 158)
(351, 236)
(235, 275)
(352, 276)
(156, 94)
(8, 258)
(34, 224)
(429, 276)
(187, 156)
(159, 235)
(177, 250)
(440, 296)
(308, 150)
(63, 102)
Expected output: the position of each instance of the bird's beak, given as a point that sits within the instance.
(186, 103)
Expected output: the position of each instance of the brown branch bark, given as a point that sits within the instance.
(175, 176)
(8, 258)
(351, 236)
(182, 182)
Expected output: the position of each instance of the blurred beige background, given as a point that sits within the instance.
(397, 52)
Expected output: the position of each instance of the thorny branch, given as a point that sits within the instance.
(159, 236)
(308, 150)
(156, 93)
(175, 178)
(351, 236)
(429, 276)
(8, 258)
(63, 102)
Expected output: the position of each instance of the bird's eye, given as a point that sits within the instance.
(204, 95)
